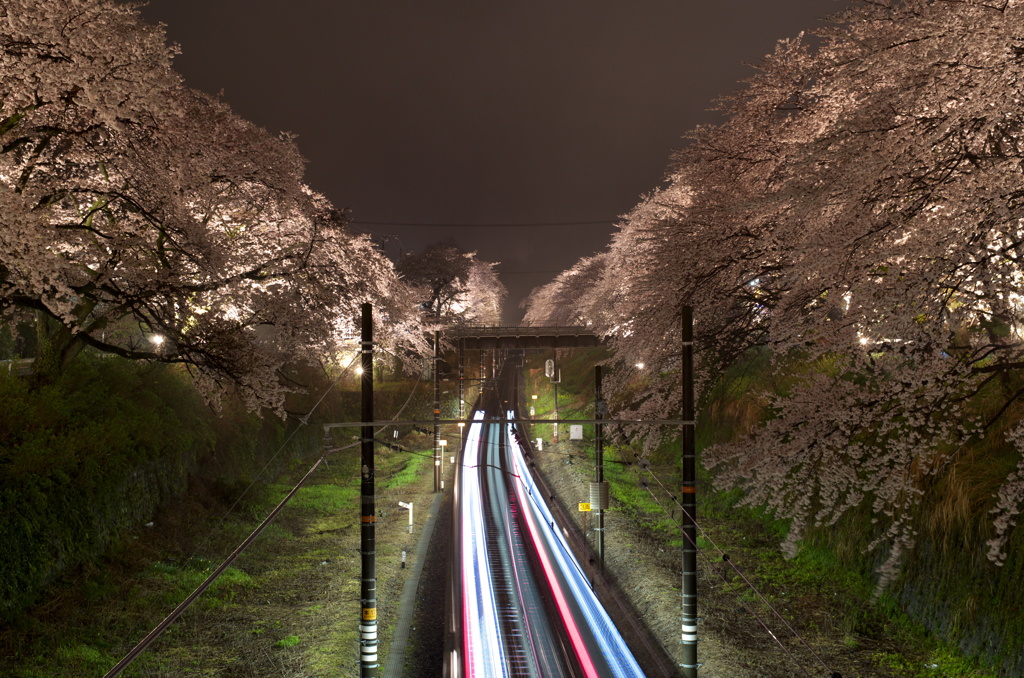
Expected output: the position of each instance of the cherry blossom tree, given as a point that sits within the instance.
(568, 299)
(438, 275)
(484, 295)
(452, 285)
(145, 219)
(859, 215)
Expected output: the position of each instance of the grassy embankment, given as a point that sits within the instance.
(86, 463)
(951, 614)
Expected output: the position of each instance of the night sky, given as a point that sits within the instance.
(471, 113)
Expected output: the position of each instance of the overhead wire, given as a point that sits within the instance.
(522, 224)
(412, 391)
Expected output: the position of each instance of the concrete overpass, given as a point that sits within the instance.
(489, 338)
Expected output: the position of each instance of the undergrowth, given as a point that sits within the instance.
(285, 607)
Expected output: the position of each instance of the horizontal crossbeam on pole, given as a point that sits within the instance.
(430, 422)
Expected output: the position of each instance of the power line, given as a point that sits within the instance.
(524, 224)
(303, 421)
(184, 605)
(537, 272)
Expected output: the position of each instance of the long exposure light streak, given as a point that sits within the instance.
(616, 653)
(514, 562)
(482, 649)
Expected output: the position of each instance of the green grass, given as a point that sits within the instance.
(410, 471)
(288, 642)
(183, 580)
(940, 663)
(325, 499)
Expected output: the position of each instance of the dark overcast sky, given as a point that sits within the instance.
(482, 111)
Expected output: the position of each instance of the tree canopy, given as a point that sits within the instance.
(566, 300)
(453, 285)
(143, 218)
(858, 213)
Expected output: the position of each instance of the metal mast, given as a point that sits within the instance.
(689, 502)
(368, 618)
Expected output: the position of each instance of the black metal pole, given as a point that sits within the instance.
(462, 387)
(555, 378)
(368, 618)
(437, 414)
(599, 410)
(462, 379)
(689, 638)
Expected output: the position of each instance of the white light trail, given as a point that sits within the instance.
(481, 643)
(616, 653)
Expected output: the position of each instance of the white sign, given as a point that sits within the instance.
(407, 506)
(549, 368)
(575, 432)
(540, 444)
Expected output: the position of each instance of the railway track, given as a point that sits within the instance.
(518, 602)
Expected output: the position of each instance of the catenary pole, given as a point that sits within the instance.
(462, 379)
(437, 412)
(602, 493)
(368, 662)
(689, 502)
(555, 378)
(462, 387)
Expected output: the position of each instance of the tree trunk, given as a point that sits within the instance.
(56, 347)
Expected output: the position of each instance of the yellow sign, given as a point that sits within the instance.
(584, 506)
(369, 614)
